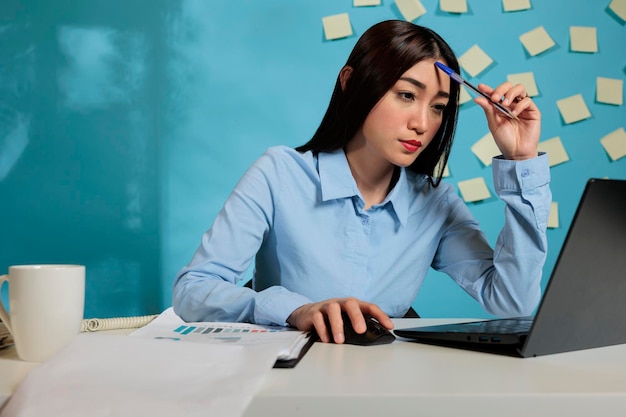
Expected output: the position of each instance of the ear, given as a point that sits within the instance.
(344, 76)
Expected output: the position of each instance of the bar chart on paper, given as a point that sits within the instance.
(289, 342)
(226, 331)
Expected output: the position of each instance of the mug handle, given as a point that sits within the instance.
(3, 313)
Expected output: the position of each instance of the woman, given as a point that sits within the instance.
(352, 220)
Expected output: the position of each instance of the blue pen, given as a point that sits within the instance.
(456, 77)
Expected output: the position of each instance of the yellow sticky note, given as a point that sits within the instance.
(610, 91)
(474, 189)
(619, 8)
(555, 150)
(464, 95)
(553, 217)
(527, 79)
(573, 109)
(410, 9)
(615, 144)
(475, 60)
(337, 26)
(453, 6)
(583, 39)
(515, 5)
(446, 170)
(359, 3)
(485, 149)
(536, 41)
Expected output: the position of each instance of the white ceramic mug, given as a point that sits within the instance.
(46, 304)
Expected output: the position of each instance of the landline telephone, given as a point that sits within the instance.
(5, 337)
(91, 325)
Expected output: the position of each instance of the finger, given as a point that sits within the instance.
(494, 98)
(374, 311)
(321, 326)
(522, 97)
(521, 106)
(357, 320)
(526, 108)
(352, 309)
(513, 95)
(497, 94)
(333, 315)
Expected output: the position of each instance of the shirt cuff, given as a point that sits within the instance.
(275, 304)
(511, 175)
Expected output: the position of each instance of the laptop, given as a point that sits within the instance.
(584, 304)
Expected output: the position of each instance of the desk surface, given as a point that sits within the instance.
(426, 380)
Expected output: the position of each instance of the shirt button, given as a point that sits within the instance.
(525, 173)
(365, 221)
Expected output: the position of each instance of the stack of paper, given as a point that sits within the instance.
(154, 372)
(117, 376)
(292, 343)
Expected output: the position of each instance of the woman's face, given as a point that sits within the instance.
(407, 117)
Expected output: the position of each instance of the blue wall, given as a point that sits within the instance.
(125, 124)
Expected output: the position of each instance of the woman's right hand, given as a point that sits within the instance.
(324, 314)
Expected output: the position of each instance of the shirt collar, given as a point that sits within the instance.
(335, 176)
(337, 182)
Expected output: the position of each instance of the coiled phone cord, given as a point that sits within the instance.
(115, 323)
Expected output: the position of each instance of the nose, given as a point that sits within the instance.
(418, 119)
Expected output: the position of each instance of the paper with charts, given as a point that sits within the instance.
(169, 326)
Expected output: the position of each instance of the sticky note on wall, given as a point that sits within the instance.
(619, 8)
(553, 218)
(475, 60)
(573, 109)
(446, 170)
(453, 6)
(527, 79)
(555, 150)
(410, 9)
(615, 144)
(536, 41)
(515, 5)
(610, 91)
(474, 189)
(337, 26)
(485, 149)
(583, 39)
(464, 95)
(360, 3)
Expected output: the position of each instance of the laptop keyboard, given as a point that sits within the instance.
(496, 326)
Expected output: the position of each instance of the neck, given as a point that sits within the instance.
(373, 177)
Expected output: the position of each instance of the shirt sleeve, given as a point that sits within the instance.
(506, 280)
(205, 289)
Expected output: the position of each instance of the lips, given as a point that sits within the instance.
(411, 145)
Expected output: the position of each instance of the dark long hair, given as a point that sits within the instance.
(382, 54)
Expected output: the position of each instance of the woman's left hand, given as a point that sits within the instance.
(516, 139)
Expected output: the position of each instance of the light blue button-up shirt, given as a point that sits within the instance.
(301, 218)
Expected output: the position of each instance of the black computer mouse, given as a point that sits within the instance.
(376, 333)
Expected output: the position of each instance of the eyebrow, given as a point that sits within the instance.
(422, 86)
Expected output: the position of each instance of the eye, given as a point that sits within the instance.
(439, 108)
(406, 96)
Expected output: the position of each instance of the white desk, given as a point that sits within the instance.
(421, 380)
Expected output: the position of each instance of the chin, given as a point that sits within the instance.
(405, 161)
